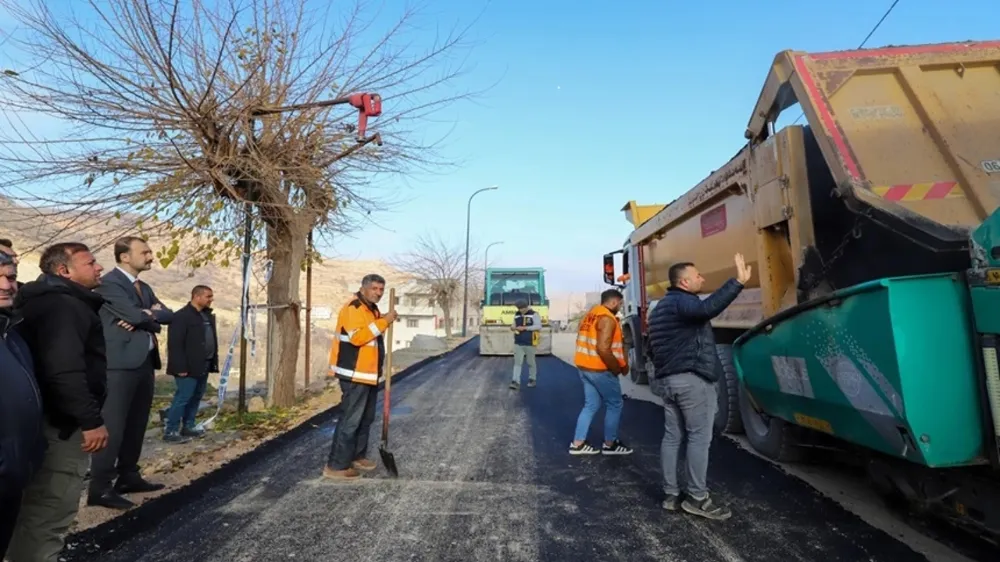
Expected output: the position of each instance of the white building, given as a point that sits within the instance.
(419, 314)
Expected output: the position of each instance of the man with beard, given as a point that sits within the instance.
(192, 353)
(131, 316)
(600, 360)
(20, 408)
(63, 331)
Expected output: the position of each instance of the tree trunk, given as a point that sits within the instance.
(286, 248)
(446, 308)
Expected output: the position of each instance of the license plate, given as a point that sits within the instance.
(993, 276)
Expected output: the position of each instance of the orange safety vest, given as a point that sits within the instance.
(586, 341)
(357, 352)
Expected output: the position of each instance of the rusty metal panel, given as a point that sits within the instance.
(768, 183)
(918, 126)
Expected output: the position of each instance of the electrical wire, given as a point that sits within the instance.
(863, 43)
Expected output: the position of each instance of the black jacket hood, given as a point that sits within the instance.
(48, 285)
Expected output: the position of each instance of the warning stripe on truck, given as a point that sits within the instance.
(919, 191)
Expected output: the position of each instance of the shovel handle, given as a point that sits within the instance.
(386, 406)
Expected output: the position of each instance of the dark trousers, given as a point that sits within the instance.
(357, 412)
(126, 413)
(10, 506)
(187, 398)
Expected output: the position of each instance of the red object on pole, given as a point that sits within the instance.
(369, 105)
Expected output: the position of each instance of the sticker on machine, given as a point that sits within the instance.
(991, 166)
(792, 376)
(713, 221)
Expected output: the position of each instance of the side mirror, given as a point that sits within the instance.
(609, 269)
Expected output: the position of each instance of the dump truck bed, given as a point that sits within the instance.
(917, 127)
(899, 160)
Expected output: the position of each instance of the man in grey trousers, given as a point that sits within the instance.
(525, 326)
(131, 317)
(686, 369)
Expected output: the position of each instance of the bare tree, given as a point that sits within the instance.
(440, 266)
(183, 118)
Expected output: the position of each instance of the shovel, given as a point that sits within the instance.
(388, 459)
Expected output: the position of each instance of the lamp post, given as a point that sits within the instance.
(468, 224)
(486, 257)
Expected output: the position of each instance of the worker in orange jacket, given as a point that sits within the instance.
(356, 358)
(600, 360)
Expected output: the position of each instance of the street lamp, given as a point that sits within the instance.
(486, 258)
(468, 224)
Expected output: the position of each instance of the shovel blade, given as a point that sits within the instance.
(389, 461)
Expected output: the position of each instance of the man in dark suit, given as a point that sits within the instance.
(131, 317)
(192, 353)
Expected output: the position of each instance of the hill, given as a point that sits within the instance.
(334, 280)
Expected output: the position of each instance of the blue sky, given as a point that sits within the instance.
(596, 104)
(601, 104)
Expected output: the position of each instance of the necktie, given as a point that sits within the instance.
(138, 290)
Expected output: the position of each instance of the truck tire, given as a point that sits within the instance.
(772, 437)
(727, 417)
(636, 365)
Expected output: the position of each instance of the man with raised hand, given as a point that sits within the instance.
(685, 374)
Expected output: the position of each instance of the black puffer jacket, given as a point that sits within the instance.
(22, 443)
(680, 335)
(63, 330)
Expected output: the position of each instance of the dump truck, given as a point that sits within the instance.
(505, 287)
(872, 319)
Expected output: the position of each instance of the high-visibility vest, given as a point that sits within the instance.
(358, 350)
(586, 341)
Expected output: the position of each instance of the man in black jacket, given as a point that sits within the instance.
(192, 353)
(22, 443)
(63, 330)
(686, 370)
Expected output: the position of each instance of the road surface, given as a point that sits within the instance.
(485, 476)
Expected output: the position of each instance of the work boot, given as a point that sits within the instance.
(706, 508)
(363, 465)
(346, 474)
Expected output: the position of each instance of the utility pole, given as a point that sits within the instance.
(309, 294)
(468, 224)
(245, 307)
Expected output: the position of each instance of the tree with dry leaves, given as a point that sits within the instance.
(184, 118)
(440, 266)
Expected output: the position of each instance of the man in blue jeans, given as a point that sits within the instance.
(600, 358)
(525, 326)
(685, 373)
(192, 353)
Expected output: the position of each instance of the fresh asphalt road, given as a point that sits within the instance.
(484, 475)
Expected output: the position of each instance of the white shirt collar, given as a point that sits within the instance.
(131, 279)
